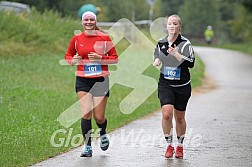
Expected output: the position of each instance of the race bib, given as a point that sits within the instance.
(172, 73)
(92, 69)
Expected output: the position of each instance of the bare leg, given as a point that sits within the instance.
(180, 123)
(99, 109)
(85, 100)
(167, 115)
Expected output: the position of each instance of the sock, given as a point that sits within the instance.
(168, 139)
(86, 128)
(102, 127)
(180, 140)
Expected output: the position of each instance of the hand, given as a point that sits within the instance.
(156, 62)
(76, 59)
(92, 56)
(173, 50)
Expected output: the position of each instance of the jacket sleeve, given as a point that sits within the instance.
(110, 56)
(188, 55)
(156, 52)
(71, 51)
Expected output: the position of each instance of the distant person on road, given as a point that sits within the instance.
(92, 50)
(176, 55)
(209, 34)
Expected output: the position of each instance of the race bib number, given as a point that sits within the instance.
(92, 69)
(172, 73)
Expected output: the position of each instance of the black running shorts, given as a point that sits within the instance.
(176, 96)
(96, 86)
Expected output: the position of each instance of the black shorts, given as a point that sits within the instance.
(96, 86)
(176, 96)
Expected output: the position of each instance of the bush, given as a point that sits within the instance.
(33, 33)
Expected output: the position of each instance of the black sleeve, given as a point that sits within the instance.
(188, 55)
(156, 52)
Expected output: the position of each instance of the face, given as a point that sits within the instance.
(173, 25)
(89, 23)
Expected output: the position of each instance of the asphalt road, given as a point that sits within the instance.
(219, 124)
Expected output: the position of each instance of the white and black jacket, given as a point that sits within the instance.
(185, 49)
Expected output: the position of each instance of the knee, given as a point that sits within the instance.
(99, 119)
(86, 115)
(167, 116)
(180, 120)
(167, 112)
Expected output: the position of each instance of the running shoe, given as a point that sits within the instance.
(87, 152)
(179, 152)
(169, 151)
(104, 142)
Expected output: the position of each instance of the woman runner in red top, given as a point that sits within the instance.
(92, 50)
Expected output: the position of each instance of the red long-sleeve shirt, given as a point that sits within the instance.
(84, 44)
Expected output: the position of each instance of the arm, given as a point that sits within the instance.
(157, 61)
(71, 52)
(187, 54)
(111, 56)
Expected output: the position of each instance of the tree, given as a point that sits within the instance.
(248, 5)
(164, 8)
(114, 10)
(198, 14)
(241, 26)
(111, 10)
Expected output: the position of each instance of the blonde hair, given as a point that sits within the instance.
(179, 19)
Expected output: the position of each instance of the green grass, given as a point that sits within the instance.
(197, 72)
(245, 48)
(35, 89)
(32, 98)
(242, 47)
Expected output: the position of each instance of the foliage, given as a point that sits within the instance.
(195, 14)
(111, 10)
(194, 23)
(25, 32)
(247, 4)
(241, 27)
(165, 8)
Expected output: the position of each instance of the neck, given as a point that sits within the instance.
(172, 37)
(90, 32)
